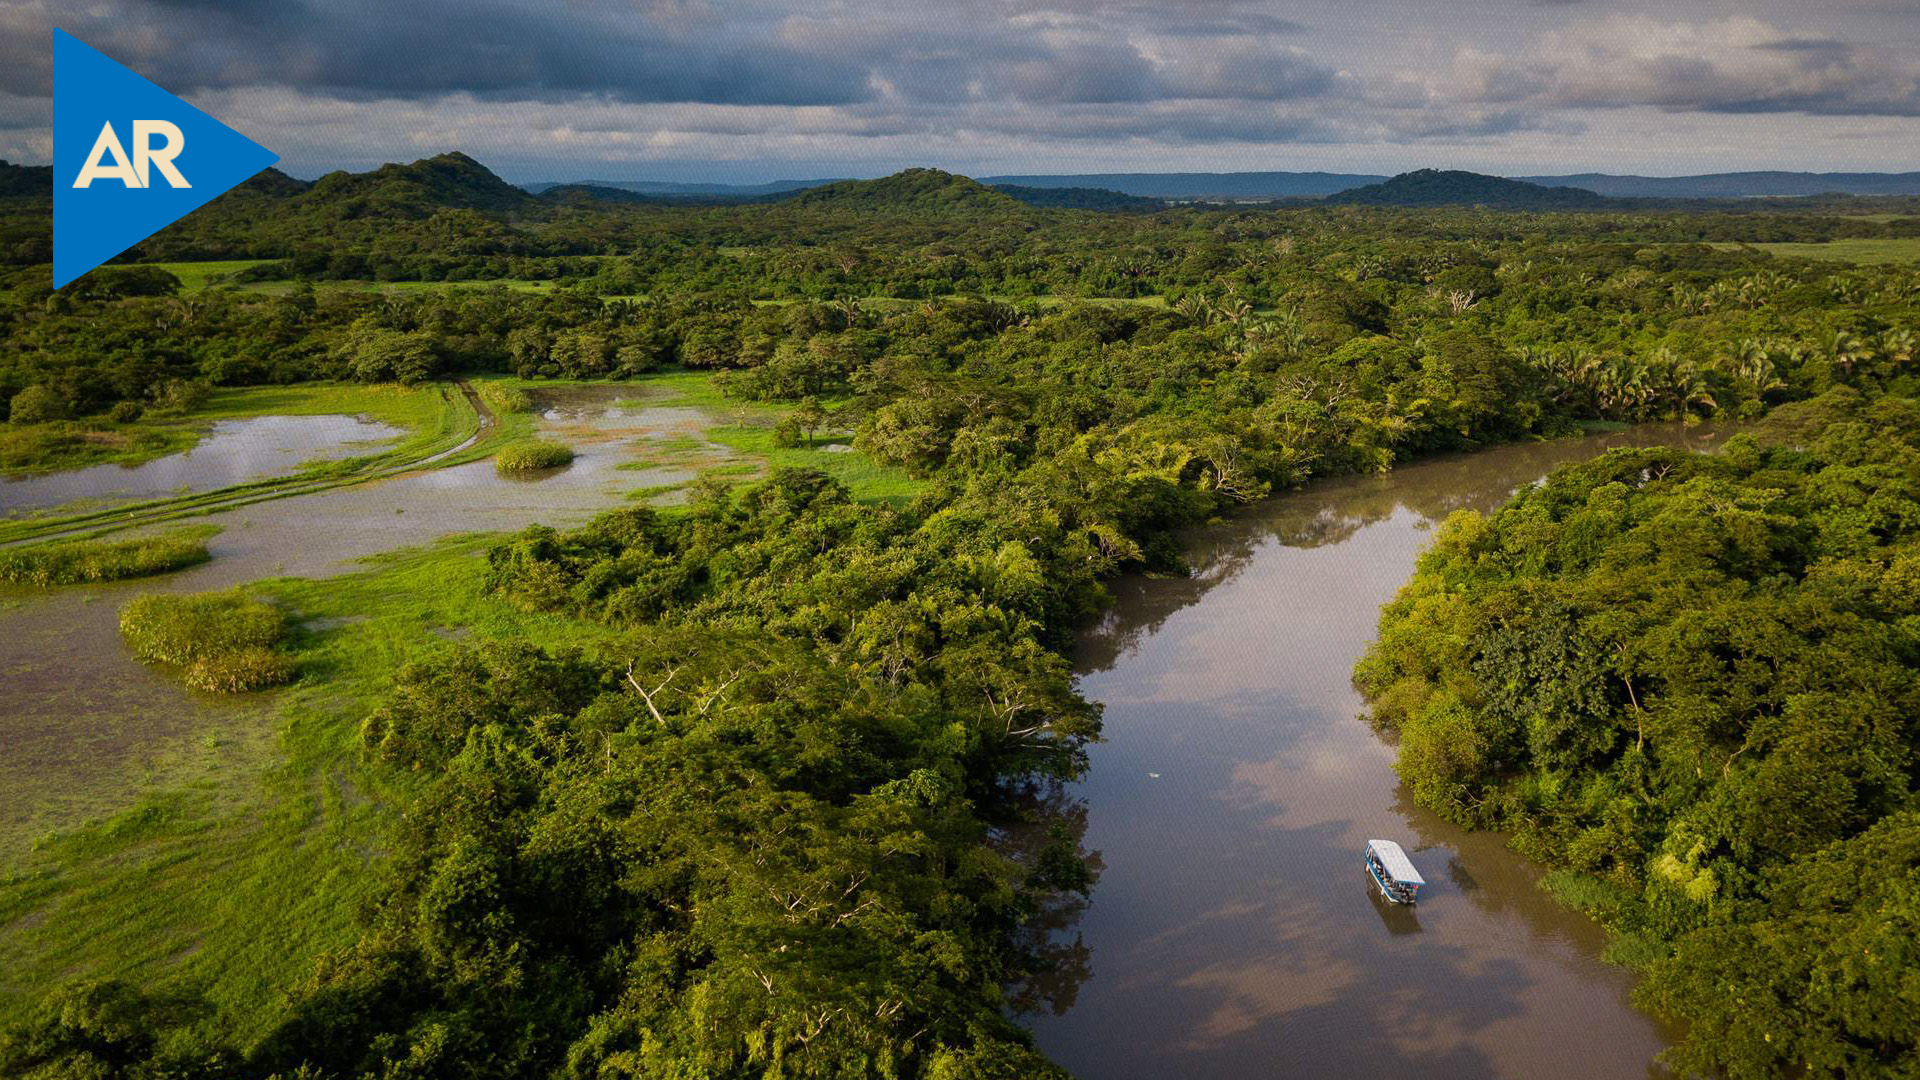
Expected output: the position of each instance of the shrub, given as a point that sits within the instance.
(181, 395)
(786, 434)
(251, 668)
(504, 399)
(532, 456)
(125, 412)
(37, 405)
(81, 562)
(224, 640)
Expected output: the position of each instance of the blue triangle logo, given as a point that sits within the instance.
(129, 159)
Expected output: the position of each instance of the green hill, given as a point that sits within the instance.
(915, 190)
(1081, 198)
(1452, 187)
(25, 180)
(450, 181)
(448, 201)
(588, 194)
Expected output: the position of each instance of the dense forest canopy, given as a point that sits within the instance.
(1692, 677)
(753, 839)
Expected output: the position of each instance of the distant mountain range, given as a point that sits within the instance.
(1738, 185)
(668, 188)
(1200, 185)
(1307, 185)
(457, 180)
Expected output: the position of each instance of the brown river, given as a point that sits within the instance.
(1234, 932)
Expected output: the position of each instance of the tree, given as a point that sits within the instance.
(809, 416)
(36, 405)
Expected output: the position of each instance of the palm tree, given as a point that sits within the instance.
(1622, 387)
(1845, 350)
(1680, 382)
(1896, 348)
(1194, 309)
(1754, 371)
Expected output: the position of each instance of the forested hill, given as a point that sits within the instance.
(587, 194)
(1081, 198)
(448, 181)
(927, 190)
(1437, 187)
(449, 201)
(18, 180)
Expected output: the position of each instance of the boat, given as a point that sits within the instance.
(1393, 872)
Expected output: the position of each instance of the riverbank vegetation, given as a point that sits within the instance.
(710, 788)
(1690, 679)
(88, 561)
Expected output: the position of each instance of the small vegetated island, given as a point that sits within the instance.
(711, 788)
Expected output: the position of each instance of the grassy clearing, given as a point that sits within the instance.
(72, 444)
(195, 276)
(286, 840)
(745, 430)
(85, 562)
(868, 480)
(1859, 251)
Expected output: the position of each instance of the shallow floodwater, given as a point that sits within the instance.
(78, 705)
(231, 452)
(1233, 932)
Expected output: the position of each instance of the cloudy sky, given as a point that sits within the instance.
(749, 90)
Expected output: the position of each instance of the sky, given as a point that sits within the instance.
(755, 90)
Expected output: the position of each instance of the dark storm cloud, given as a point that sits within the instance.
(660, 80)
(737, 55)
(491, 48)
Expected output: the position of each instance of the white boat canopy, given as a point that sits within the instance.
(1395, 862)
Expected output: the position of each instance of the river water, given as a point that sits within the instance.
(1233, 932)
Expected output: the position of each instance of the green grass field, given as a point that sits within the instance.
(1864, 252)
(271, 822)
(195, 276)
(868, 480)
